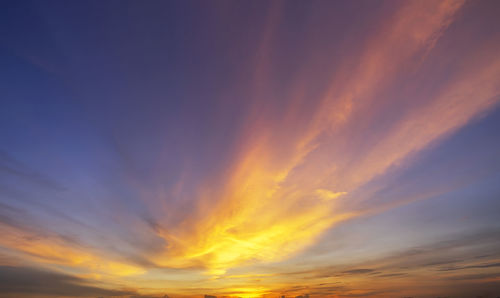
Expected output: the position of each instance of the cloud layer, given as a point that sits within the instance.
(250, 149)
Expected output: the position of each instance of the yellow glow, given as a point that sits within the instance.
(54, 251)
(329, 195)
(247, 292)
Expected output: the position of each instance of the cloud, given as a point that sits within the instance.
(280, 177)
(488, 265)
(17, 170)
(31, 282)
(51, 248)
(358, 271)
(400, 272)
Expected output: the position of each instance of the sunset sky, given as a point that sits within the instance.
(250, 148)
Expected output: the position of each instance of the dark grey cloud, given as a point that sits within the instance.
(480, 266)
(392, 275)
(367, 294)
(458, 252)
(479, 276)
(454, 253)
(358, 271)
(25, 281)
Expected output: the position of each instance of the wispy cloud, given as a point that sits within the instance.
(281, 178)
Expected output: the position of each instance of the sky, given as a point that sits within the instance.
(250, 148)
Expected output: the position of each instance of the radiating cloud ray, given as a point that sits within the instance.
(269, 205)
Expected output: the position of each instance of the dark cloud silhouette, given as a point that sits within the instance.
(489, 265)
(25, 281)
(367, 294)
(476, 251)
(392, 275)
(358, 271)
(479, 276)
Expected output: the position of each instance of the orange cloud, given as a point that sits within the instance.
(53, 250)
